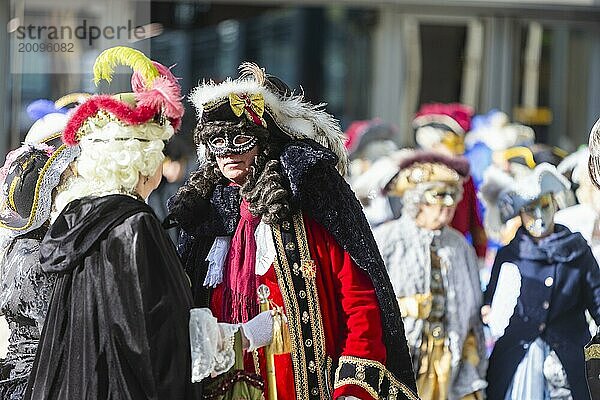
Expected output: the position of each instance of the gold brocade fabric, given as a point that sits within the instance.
(417, 306)
(434, 371)
(434, 374)
(434, 366)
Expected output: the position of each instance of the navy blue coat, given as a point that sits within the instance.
(560, 279)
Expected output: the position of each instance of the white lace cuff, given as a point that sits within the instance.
(212, 344)
(265, 248)
(216, 261)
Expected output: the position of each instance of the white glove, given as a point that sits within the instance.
(216, 261)
(347, 398)
(259, 330)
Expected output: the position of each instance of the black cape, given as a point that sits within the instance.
(117, 325)
(309, 173)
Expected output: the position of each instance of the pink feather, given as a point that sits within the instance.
(164, 94)
(138, 84)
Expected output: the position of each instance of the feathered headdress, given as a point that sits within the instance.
(268, 102)
(156, 95)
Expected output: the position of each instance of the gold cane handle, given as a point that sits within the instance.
(264, 292)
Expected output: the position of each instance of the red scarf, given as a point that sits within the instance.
(240, 302)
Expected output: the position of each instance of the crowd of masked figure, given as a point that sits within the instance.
(490, 240)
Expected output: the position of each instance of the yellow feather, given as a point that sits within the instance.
(105, 64)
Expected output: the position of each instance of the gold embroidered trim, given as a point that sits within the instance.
(295, 318)
(11, 193)
(592, 352)
(396, 384)
(309, 272)
(356, 382)
(293, 313)
(360, 363)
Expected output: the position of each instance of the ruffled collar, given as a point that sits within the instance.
(561, 246)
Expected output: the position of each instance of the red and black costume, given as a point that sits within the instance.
(347, 337)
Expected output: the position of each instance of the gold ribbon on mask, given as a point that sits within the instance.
(253, 105)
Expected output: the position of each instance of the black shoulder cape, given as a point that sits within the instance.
(319, 190)
(117, 325)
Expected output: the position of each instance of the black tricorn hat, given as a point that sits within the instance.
(268, 102)
(28, 177)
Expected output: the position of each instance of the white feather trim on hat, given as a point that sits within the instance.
(45, 127)
(294, 116)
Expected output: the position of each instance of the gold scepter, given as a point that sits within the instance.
(263, 296)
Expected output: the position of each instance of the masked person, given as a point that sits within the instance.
(117, 324)
(435, 276)
(541, 284)
(441, 128)
(268, 207)
(30, 177)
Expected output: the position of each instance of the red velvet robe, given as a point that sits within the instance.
(349, 307)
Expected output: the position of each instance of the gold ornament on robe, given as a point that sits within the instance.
(252, 105)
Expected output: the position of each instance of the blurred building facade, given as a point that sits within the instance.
(539, 61)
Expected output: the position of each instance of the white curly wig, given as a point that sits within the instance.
(112, 159)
